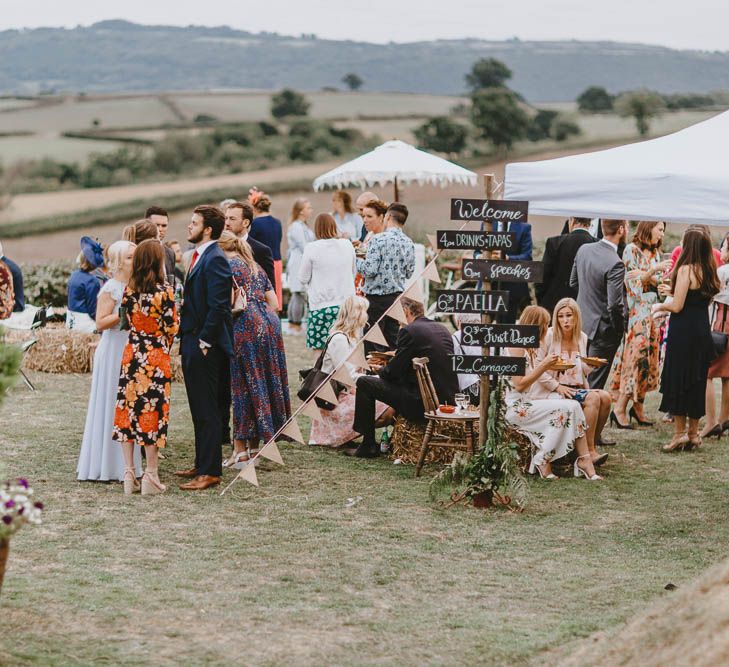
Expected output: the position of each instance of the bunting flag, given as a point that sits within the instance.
(357, 357)
(249, 474)
(375, 335)
(432, 240)
(343, 376)
(270, 452)
(414, 291)
(431, 272)
(397, 313)
(293, 431)
(311, 410)
(326, 393)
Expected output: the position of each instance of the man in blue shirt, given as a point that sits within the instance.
(390, 262)
(17, 281)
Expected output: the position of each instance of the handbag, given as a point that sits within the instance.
(238, 300)
(719, 338)
(313, 378)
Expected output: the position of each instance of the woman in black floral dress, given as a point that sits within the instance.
(143, 399)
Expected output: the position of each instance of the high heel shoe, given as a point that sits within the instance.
(677, 444)
(151, 486)
(580, 472)
(551, 475)
(714, 432)
(641, 422)
(614, 422)
(600, 459)
(131, 483)
(693, 442)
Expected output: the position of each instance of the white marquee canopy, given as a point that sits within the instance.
(682, 177)
(399, 163)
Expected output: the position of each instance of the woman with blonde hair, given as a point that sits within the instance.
(334, 429)
(635, 368)
(327, 272)
(101, 458)
(268, 230)
(553, 425)
(349, 223)
(259, 381)
(299, 235)
(566, 339)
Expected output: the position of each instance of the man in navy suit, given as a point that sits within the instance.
(206, 331)
(518, 292)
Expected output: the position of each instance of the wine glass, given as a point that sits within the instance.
(461, 401)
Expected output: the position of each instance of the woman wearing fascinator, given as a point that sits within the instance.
(84, 285)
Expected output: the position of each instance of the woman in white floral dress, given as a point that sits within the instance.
(553, 425)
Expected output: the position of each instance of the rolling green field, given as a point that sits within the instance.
(289, 574)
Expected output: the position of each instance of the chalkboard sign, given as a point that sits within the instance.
(450, 239)
(495, 210)
(472, 301)
(466, 364)
(500, 335)
(508, 271)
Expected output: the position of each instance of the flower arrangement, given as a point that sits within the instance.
(17, 507)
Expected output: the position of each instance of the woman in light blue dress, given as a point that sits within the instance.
(349, 223)
(100, 458)
(299, 235)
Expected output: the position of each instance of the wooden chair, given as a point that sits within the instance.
(434, 437)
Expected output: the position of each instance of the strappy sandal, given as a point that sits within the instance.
(676, 444)
(151, 486)
(579, 472)
(131, 483)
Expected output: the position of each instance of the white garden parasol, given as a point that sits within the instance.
(398, 163)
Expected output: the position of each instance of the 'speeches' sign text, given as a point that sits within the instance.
(466, 364)
(509, 271)
(461, 240)
(496, 210)
(472, 301)
(500, 335)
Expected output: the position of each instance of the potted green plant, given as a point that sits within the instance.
(492, 473)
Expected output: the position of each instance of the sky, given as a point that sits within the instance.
(685, 24)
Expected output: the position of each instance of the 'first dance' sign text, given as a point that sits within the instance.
(500, 335)
(510, 271)
(471, 301)
(466, 364)
(498, 210)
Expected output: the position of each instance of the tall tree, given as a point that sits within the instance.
(352, 81)
(641, 105)
(487, 73)
(289, 103)
(498, 116)
(441, 134)
(595, 99)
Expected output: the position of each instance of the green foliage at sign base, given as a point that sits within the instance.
(494, 468)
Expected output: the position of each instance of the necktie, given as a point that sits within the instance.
(195, 255)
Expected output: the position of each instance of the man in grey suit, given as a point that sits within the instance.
(598, 274)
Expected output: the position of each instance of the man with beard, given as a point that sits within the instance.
(238, 217)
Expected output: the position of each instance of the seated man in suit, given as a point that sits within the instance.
(559, 256)
(238, 216)
(396, 385)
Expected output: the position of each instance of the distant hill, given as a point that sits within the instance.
(117, 56)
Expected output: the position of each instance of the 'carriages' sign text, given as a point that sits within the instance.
(466, 364)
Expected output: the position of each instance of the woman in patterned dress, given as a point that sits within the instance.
(553, 425)
(259, 381)
(327, 272)
(635, 370)
(143, 398)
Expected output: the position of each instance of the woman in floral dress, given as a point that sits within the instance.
(143, 399)
(553, 425)
(636, 369)
(259, 381)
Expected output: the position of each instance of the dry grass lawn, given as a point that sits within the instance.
(288, 575)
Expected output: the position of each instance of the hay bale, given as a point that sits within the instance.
(689, 628)
(407, 439)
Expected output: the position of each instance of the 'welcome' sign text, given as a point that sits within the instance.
(511, 271)
(466, 364)
(489, 209)
(472, 301)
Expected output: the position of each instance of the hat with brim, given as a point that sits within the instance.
(92, 251)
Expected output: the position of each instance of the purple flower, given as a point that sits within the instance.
(38, 505)
(10, 503)
(7, 520)
(23, 483)
(21, 509)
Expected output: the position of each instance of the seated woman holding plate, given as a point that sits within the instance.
(553, 425)
(566, 339)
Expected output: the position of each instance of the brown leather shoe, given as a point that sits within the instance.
(201, 482)
(188, 474)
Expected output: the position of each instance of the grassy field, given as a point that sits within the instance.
(288, 574)
(13, 149)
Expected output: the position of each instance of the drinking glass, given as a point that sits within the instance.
(461, 401)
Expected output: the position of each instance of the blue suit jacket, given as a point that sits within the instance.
(206, 311)
(17, 284)
(523, 231)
